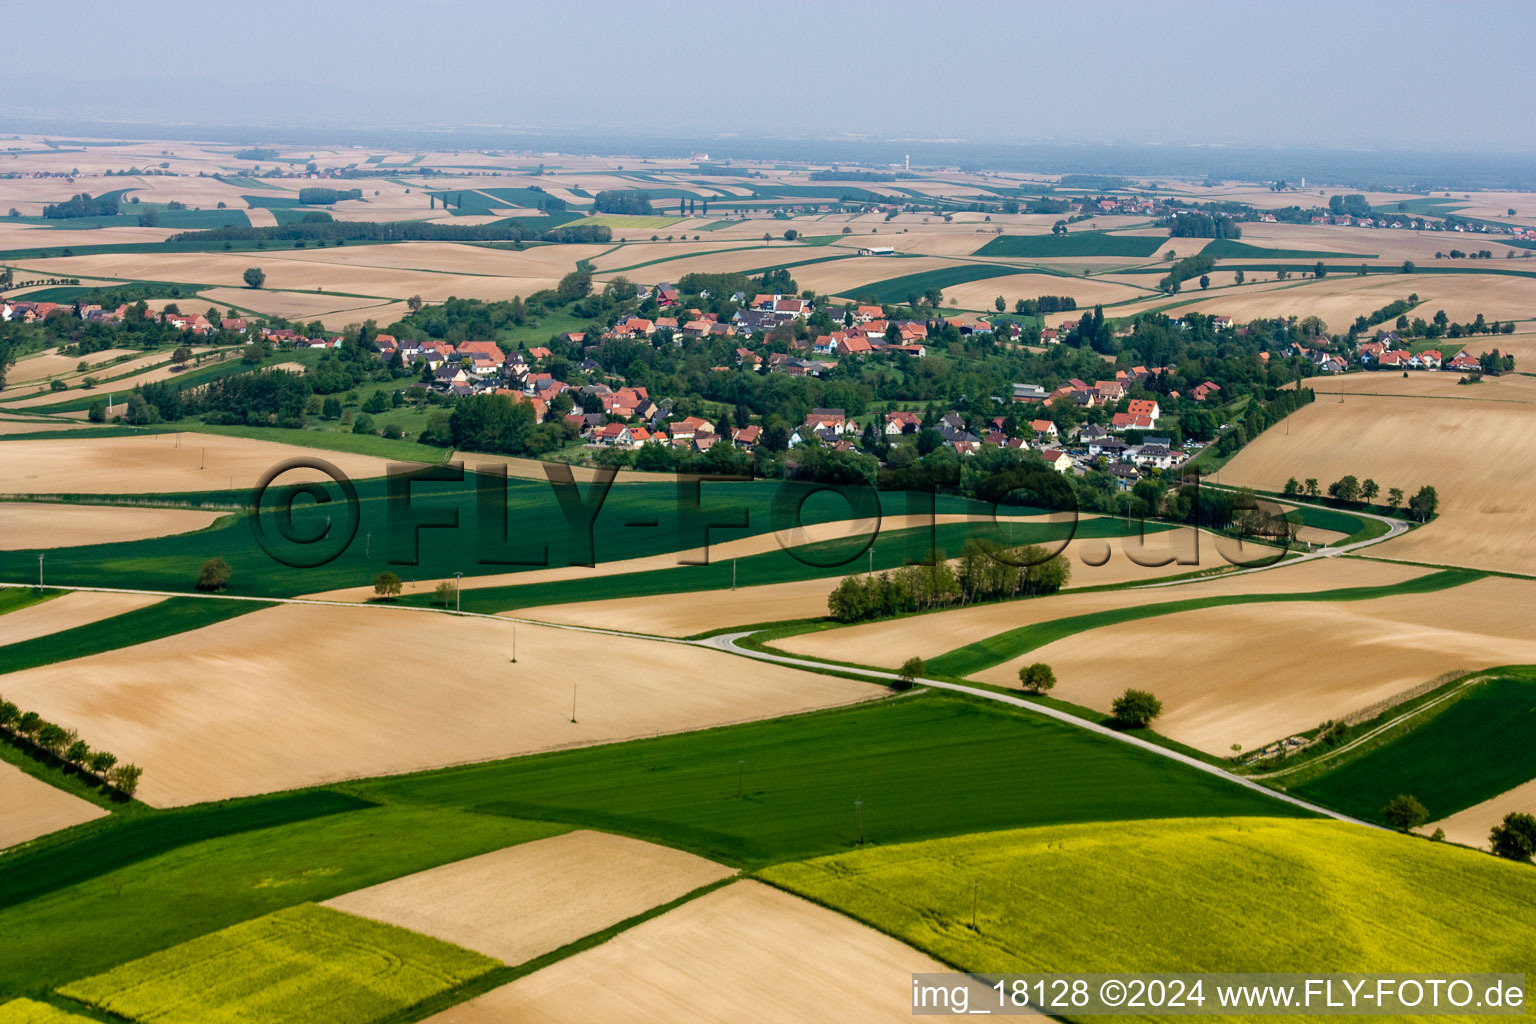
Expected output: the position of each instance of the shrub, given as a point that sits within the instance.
(1515, 838)
(1404, 812)
(386, 584)
(214, 575)
(1037, 678)
(908, 674)
(1136, 709)
(443, 594)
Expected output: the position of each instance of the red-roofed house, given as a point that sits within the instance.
(1144, 407)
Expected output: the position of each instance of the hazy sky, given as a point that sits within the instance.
(1410, 73)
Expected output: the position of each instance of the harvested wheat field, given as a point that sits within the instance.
(743, 547)
(307, 305)
(12, 426)
(37, 525)
(1471, 447)
(1255, 673)
(694, 612)
(850, 275)
(33, 808)
(527, 900)
(299, 695)
(1087, 291)
(1339, 299)
(76, 608)
(744, 952)
(892, 640)
(50, 364)
(155, 464)
(1471, 826)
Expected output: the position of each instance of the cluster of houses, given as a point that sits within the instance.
(1385, 351)
(21, 311)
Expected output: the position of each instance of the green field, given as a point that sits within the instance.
(914, 761)
(1227, 248)
(165, 618)
(15, 599)
(1080, 243)
(25, 1011)
(305, 965)
(898, 289)
(1001, 647)
(627, 222)
(1200, 894)
(188, 881)
(836, 558)
(534, 515)
(1477, 747)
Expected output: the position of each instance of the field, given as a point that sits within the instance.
(34, 525)
(1267, 671)
(1467, 443)
(1088, 292)
(306, 964)
(773, 585)
(1076, 243)
(233, 709)
(743, 952)
(26, 1011)
(621, 222)
(522, 902)
(124, 888)
(771, 791)
(157, 464)
(68, 611)
(1470, 827)
(1191, 895)
(875, 643)
(1477, 748)
(34, 808)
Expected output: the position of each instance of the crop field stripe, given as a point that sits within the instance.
(1227, 248)
(306, 964)
(994, 650)
(891, 552)
(165, 618)
(912, 759)
(171, 563)
(108, 844)
(896, 289)
(1468, 750)
(1081, 243)
(1346, 903)
(123, 912)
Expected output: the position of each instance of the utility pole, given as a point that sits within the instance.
(573, 703)
(458, 585)
(39, 570)
(733, 574)
(514, 643)
(202, 460)
(871, 559)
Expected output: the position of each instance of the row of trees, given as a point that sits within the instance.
(985, 572)
(1183, 270)
(339, 232)
(66, 747)
(81, 205)
(1351, 490)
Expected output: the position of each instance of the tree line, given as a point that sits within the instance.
(66, 747)
(986, 572)
(626, 201)
(327, 196)
(81, 205)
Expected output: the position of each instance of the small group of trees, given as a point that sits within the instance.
(985, 573)
(1354, 491)
(66, 746)
(214, 575)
